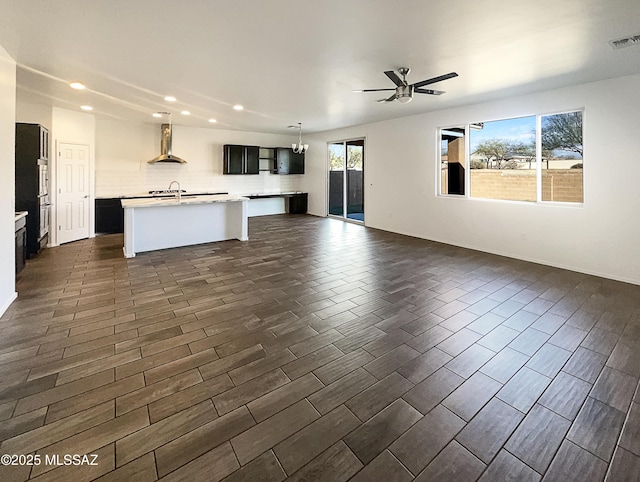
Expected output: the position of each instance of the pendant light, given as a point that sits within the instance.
(299, 148)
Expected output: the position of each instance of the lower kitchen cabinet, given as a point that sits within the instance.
(109, 216)
(298, 203)
(21, 247)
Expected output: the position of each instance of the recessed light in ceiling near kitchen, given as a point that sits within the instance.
(238, 107)
(213, 121)
(156, 114)
(86, 107)
(185, 112)
(170, 98)
(77, 85)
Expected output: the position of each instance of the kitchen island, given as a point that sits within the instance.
(169, 222)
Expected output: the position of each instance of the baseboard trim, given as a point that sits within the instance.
(7, 303)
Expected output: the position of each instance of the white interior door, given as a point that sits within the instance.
(72, 206)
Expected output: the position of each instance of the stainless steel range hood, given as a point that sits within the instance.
(165, 147)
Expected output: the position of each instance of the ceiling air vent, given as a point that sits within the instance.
(625, 41)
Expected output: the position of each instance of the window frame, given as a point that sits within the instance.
(439, 161)
(538, 143)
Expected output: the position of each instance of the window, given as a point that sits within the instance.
(502, 157)
(531, 159)
(452, 160)
(561, 139)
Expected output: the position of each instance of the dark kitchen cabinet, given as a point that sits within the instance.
(21, 244)
(32, 182)
(298, 203)
(268, 159)
(109, 216)
(288, 162)
(241, 159)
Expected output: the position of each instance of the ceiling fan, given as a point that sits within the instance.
(404, 91)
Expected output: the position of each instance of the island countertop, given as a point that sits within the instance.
(170, 200)
(161, 223)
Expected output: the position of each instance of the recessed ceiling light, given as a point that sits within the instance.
(156, 114)
(185, 112)
(86, 107)
(213, 121)
(238, 107)
(170, 98)
(77, 85)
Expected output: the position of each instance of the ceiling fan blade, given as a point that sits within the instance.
(429, 91)
(371, 90)
(388, 99)
(394, 78)
(434, 80)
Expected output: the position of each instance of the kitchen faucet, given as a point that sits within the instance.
(179, 192)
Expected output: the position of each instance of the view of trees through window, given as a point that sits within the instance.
(336, 157)
(562, 157)
(504, 145)
(503, 159)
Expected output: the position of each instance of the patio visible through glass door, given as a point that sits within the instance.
(346, 179)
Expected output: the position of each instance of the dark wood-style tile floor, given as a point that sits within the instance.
(318, 350)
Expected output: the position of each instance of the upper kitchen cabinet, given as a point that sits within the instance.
(33, 141)
(288, 162)
(268, 159)
(241, 159)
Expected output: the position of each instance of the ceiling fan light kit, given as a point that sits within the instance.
(404, 94)
(404, 91)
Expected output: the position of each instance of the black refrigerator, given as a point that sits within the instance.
(32, 183)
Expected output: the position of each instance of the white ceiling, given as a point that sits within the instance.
(290, 61)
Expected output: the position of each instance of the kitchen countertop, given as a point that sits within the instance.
(173, 201)
(189, 194)
(21, 214)
(273, 194)
(147, 195)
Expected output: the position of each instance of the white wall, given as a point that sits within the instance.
(33, 113)
(315, 176)
(7, 179)
(123, 149)
(75, 128)
(601, 237)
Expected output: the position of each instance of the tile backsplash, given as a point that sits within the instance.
(111, 183)
(122, 151)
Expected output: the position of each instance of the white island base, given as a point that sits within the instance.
(151, 224)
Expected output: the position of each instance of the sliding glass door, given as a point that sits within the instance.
(346, 179)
